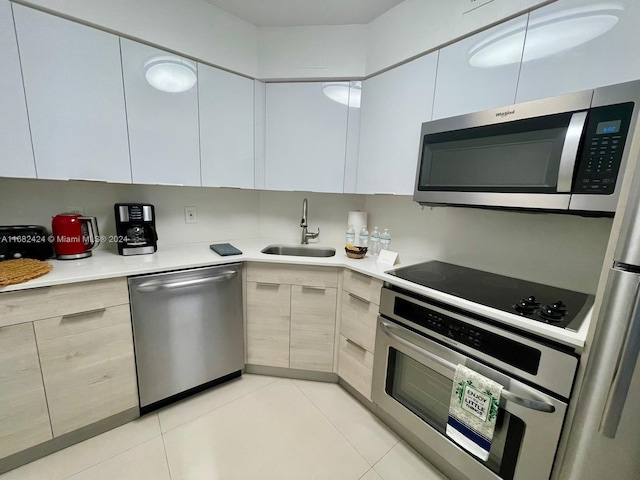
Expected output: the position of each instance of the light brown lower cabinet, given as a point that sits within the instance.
(313, 326)
(356, 366)
(291, 316)
(360, 305)
(88, 366)
(24, 419)
(268, 324)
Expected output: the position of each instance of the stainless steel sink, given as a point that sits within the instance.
(299, 250)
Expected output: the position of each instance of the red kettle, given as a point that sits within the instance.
(74, 236)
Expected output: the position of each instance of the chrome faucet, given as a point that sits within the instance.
(303, 223)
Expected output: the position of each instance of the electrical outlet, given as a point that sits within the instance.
(75, 209)
(190, 215)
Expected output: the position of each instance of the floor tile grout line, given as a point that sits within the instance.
(367, 473)
(166, 455)
(112, 456)
(277, 379)
(334, 425)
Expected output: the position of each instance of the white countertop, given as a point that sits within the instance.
(107, 264)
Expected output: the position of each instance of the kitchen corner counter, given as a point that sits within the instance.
(106, 264)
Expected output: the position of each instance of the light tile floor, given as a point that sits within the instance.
(254, 427)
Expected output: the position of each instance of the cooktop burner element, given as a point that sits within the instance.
(543, 303)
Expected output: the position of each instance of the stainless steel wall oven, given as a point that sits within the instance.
(419, 343)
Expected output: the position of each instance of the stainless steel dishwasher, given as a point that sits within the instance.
(188, 331)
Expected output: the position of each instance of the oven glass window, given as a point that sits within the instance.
(426, 393)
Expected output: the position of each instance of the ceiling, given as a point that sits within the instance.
(293, 13)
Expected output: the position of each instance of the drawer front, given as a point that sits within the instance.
(24, 418)
(88, 367)
(313, 326)
(47, 302)
(268, 324)
(368, 288)
(355, 366)
(359, 319)
(293, 274)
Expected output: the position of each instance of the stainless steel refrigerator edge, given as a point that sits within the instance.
(188, 330)
(604, 439)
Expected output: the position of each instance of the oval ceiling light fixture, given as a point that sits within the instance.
(170, 74)
(547, 35)
(346, 93)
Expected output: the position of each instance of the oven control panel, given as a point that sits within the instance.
(514, 353)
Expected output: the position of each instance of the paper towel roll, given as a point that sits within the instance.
(358, 220)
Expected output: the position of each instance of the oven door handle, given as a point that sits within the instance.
(394, 332)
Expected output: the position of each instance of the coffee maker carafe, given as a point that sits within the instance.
(136, 228)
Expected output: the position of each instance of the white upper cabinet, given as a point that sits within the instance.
(575, 45)
(472, 76)
(226, 104)
(73, 84)
(163, 125)
(394, 106)
(306, 135)
(16, 155)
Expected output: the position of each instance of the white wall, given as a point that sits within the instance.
(416, 26)
(561, 250)
(221, 213)
(280, 214)
(312, 52)
(191, 27)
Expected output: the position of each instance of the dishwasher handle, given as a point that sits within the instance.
(156, 286)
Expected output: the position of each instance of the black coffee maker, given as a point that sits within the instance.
(136, 228)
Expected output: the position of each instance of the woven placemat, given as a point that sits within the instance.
(21, 270)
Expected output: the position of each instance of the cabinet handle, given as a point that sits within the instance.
(86, 312)
(356, 345)
(311, 287)
(267, 284)
(359, 298)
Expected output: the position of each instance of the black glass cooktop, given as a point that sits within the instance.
(543, 303)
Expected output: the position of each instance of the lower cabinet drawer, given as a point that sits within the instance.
(355, 366)
(88, 366)
(47, 302)
(359, 320)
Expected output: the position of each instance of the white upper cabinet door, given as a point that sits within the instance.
(394, 106)
(575, 45)
(306, 135)
(163, 125)
(226, 128)
(75, 100)
(472, 77)
(16, 155)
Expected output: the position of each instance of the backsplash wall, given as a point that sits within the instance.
(566, 251)
(562, 250)
(221, 213)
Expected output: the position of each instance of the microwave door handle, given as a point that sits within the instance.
(530, 403)
(569, 155)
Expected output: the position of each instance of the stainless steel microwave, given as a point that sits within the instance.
(565, 154)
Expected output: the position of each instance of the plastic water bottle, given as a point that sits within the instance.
(351, 235)
(375, 241)
(385, 239)
(363, 237)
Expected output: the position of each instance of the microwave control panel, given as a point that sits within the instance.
(603, 143)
